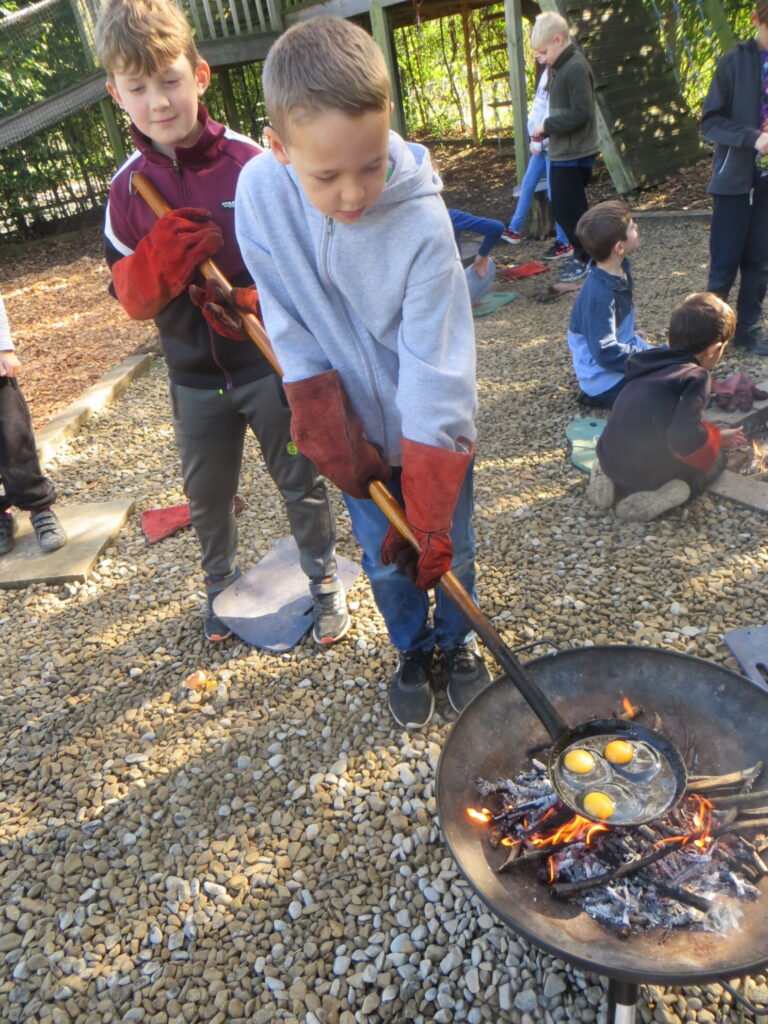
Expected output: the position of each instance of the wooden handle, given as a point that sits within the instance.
(209, 270)
(449, 584)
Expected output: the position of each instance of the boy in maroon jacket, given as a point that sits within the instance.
(657, 451)
(219, 381)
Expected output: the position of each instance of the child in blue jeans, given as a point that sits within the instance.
(482, 271)
(538, 168)
(343, 227)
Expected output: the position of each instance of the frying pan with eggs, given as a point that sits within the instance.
(608, 770)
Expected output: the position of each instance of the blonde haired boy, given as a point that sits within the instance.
(348, 239)
(570, 125)
(220, 384)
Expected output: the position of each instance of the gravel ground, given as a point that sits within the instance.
(268, 851)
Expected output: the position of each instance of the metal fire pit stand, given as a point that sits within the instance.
(705, 709)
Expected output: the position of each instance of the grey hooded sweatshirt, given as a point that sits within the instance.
(384, 300)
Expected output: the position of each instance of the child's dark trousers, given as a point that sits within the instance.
(24, 484)
(569, 200)
(738, 243)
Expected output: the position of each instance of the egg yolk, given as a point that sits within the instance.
(619, 752)
(579, 761)
(599, 805)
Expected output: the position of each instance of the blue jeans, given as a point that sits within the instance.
(538, 167)
(405, 608)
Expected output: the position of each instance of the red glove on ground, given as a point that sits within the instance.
(223, 311)
(431, 481)
(165, 261)
(325, 429)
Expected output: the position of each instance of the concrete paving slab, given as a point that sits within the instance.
(746, 490)
(96, 397)
(90, 527)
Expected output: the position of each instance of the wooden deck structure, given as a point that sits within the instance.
(646, 131)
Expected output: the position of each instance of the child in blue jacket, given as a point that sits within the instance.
(601, 332)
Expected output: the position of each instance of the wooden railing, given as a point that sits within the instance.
(221, 19)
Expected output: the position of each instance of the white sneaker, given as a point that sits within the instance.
(642, 506)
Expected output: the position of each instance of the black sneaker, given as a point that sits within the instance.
(330, 608)
(751, 338)
(48, 530)
(467, 674)
(411, 699)
(214, 630)
(557, 251)
(7, 531)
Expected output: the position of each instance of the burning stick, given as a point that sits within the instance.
(756, 799)
(564, 890)
(703, 783)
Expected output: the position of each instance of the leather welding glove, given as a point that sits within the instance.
(431, 481)
(165, 261)
(326, 430)
(223, 311)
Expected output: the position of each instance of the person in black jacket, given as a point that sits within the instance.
(656, 452)
(735, 118)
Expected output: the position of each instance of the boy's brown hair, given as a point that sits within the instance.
(320, 65)
(701, 320)
(761, 10)
(142, 37)
(547, 25)
(602, 226)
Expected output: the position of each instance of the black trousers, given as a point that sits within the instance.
(24, 484)
(569, 200)
(738, 243)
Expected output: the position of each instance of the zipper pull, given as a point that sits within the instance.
(176, 167)
(751, 196)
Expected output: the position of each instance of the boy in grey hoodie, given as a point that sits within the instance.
(343, 228)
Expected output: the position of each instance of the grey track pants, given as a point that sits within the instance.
(210, 434)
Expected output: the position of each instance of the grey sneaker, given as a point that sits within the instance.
(7, 531)
(600, 489)
(574, 270)
(411, 699)
(48, 530)
(214, 629)
(642, 506)
(467, 674)
(330, 607)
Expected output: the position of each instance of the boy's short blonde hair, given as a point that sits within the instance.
(142, 36)
(546, 26)
(320, 65)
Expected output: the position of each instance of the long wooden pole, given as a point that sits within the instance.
(385, 500)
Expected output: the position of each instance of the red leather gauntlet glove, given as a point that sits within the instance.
(165, 261)
(325, 429)
(431, 481)
(223, 311)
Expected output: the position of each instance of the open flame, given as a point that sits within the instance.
(576, 830)
(483, 816)
(629, 707)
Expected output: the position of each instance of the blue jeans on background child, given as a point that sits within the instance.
(538, 167)
(405, 608)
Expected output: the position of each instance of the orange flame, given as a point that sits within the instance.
(628, 706)
(483, 816)
(572, 831)
(702, 820)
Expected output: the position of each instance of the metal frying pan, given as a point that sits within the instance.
(630, 795)
(644, 787)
